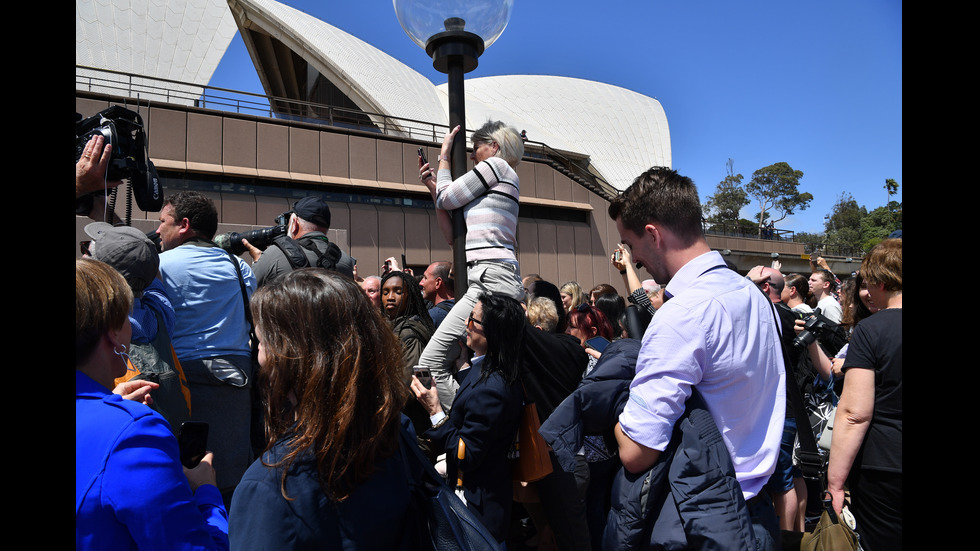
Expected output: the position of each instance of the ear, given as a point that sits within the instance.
(185, 226)
(654, 232)
(594, 331)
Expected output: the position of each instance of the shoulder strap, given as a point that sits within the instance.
(812, 462)
(293, 252)
(248, 311)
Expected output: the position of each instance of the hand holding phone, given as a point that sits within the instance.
(423, 375)
(192, 440)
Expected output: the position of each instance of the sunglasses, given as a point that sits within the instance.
(471, 321)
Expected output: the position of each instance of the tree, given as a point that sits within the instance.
(776, 188)
(728, 200)
(880, 222)
(891, 187)
(843, 225)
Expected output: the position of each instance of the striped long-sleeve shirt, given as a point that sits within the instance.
(489, 197)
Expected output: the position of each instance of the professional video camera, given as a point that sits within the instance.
(814, 327)
(260, 238)
(123, 129)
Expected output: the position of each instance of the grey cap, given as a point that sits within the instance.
(126, 249)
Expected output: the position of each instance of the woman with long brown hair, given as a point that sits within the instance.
(331, 476)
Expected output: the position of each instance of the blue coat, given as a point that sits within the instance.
(374, 516)
(485, 416)
(689, 499)
(130, 489)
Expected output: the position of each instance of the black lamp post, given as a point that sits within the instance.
(440, 26)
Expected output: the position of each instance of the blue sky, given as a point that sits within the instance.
(815, 84)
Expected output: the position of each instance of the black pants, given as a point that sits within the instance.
(563, 499)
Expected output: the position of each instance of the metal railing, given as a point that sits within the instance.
(152, 89)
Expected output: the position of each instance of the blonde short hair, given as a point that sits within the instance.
(510, 146)
(543, 313)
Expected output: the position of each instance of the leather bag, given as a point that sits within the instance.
(830, 534)
(533, 460)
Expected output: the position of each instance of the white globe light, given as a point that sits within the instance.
(422, 19)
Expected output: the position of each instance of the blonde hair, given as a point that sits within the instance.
(510, 146)
(574, 290)
(543, 313)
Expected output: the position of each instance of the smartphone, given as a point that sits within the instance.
(423, 375)
(404, 265)
(192, 440)
(618, 255)
(387, 266)
(598, 343)
(422, 156)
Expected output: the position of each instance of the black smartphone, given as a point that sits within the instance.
(193, 442)
(422, 156)
(423, 375)
(599, 343)
(404, 265)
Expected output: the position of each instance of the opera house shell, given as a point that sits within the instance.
(586, 139)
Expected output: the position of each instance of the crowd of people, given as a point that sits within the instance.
(673, 400)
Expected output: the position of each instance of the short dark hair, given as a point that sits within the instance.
(660, 195)
(828, 277)
(443, 270)
(800, 283)
(198, 209)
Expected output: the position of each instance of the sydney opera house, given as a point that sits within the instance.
(344, 120)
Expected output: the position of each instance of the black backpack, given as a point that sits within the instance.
(293, 250)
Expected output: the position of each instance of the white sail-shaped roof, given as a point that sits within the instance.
(181, 40)
(374, 80)
(623, 132)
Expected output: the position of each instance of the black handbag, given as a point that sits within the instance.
(443, 521)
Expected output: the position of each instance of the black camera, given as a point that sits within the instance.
(260, 238)
(123, 129)
(814, 328)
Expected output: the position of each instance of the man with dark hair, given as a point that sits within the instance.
(211, 335)
(437, 287)
(715, 333)
(304, 245)
(795, 292)
(822, 284)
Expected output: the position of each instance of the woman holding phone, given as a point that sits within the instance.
(486, 413)
(489, 196)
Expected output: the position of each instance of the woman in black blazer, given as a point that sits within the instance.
(486, 411)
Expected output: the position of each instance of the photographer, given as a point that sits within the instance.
(305, 236)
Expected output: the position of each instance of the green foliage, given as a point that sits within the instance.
(776, 188)
(880, 222)
(722, 208)
(844, 225)
(851, 226)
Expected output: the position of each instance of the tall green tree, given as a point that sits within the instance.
(723, 207)
(776, 188)
(843, 226)
(891, 187)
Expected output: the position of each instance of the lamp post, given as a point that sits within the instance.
(455, 33)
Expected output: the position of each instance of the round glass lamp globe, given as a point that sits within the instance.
(423, 18)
